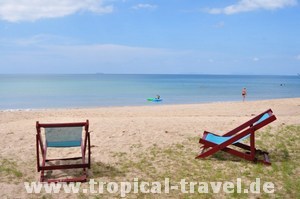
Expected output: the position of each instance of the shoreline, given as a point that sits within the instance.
(159, 104)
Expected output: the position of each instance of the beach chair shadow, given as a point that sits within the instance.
(100, 170)
(231, 141)
(62, 136)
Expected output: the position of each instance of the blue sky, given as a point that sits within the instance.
(150, 36)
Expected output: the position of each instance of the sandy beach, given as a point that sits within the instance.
(118, 129)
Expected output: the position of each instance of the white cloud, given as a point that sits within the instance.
(31, 10)
(298, 57)
(109, 58)
(56, 54)
(251, 5)
(144, 6)
(255, 59)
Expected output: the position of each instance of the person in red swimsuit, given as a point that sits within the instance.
(244, 93)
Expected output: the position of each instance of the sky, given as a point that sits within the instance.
(251, 37)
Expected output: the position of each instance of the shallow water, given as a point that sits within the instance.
(92, 90)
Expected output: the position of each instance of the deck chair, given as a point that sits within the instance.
(63, 135)
(212, 143)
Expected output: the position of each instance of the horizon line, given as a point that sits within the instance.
(101, 73)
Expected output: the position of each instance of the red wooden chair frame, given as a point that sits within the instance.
(244, 130)
(42, 147)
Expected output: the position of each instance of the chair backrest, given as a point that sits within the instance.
(63, 136)
(263, 117)
(220, 139)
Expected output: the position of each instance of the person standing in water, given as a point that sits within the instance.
(244, 93)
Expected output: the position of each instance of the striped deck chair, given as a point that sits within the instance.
(212, 143)
(63, 135)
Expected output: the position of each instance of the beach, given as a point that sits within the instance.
(128, 130)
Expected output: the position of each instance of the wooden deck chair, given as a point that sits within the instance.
(63, 135)
(213, 143)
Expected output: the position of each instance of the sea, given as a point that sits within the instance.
(23, 91)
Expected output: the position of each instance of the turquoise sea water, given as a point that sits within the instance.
(92, 90)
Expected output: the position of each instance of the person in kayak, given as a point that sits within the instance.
(157, 96)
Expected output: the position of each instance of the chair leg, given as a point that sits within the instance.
(43, 164)
(252, 145)
(266, 159)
